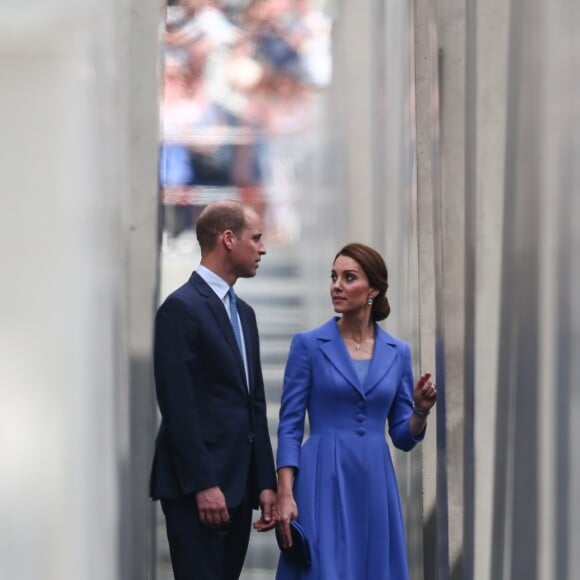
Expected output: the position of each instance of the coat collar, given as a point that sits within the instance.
(333, 347)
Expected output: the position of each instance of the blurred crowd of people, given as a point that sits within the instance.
(237, 104)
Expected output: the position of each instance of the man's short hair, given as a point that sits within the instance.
(216, 218)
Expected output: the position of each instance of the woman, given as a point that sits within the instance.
(351, 377)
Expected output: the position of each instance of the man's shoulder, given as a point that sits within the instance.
(243, 303)
(188, 295)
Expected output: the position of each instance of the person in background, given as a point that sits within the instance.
(352, 378)
(213, 458)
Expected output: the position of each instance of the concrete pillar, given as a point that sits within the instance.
(140, 82)
(441, 145)
(488, 29)
(75, 223)
(356, 91)
(449, 215)
(427, 142)
(536, 470)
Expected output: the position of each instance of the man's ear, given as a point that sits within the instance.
(228, 239)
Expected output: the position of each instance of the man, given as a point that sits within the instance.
(213, 457)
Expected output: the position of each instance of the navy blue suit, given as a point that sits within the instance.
(213, 428)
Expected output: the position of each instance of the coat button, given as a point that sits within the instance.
(360, 431)
(361, 417)
(361, 404)
(251, 437)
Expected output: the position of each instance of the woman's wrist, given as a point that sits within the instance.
(420, 412)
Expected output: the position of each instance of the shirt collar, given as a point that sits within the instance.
(217, 284)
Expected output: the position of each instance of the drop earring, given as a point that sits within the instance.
(370, 301)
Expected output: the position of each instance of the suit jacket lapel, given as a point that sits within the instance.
(335, 351)
(217, 308)
(383, 358)
(248, 338)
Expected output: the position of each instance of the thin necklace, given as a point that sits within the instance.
(358, 345)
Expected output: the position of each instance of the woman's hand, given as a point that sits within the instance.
(285, 510)
(424, 394)
(424, 397)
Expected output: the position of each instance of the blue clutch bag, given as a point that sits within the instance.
(299, 553)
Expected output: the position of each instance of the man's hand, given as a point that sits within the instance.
(267, 501)
(211, 505)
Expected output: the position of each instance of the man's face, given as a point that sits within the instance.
(249, 248)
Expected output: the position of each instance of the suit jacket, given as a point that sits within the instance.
(213, 426)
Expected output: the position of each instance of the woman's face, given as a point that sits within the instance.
(349, 287)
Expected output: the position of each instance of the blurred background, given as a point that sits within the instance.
(446, 134)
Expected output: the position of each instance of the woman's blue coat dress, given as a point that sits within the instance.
(345, 486)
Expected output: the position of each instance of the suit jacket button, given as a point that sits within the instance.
(251, 437)
(360, 431)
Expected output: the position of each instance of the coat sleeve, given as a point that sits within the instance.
(175, 359)
(402, 407)
(295, 394)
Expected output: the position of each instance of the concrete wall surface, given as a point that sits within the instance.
(78, 250)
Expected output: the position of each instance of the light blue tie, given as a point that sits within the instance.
(235, 322)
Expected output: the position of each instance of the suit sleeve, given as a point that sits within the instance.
(175, 360)
(264, 458)
(402, 407)
(295, 394)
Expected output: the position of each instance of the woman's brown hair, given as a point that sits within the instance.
(375, 269)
